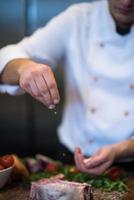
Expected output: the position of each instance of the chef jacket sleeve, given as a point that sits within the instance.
(46, 45)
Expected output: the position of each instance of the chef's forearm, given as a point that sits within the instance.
(12, 71)
(125, 149)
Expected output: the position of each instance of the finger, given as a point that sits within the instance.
(79, 160)
(34, 88)
(52, 85)
(41, 99)
(95, 161)
(27, 88)
(44, 92)
(35, 92)
(99, 169)
(25, 85)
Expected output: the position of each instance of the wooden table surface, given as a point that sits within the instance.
(21, 191)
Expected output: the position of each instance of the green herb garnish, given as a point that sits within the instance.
(101, 181)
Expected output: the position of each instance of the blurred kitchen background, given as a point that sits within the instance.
(26, 126)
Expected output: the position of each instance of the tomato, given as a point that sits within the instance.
(7, 161)
(74, 170)
(2, 167)
(115, 173)
(52, 167)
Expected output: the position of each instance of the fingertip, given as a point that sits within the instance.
(87, 161)
(78, 150)
(50, 107)
(56, 101)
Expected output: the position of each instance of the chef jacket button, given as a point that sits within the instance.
(101, 44)
(126, 113)
(90, 141)
(95, 78)
(131, 86)
(92, 110)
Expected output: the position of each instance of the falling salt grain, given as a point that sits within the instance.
(63, 154)
(55, 111)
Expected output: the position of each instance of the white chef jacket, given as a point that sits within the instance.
(99, 68)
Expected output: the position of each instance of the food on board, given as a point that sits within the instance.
(6, 161)
(33, 165)
(20, 170)
(40, 166)
(54, 188)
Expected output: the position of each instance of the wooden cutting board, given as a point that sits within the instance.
(21, 192)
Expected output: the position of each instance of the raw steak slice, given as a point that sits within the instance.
(56, 189)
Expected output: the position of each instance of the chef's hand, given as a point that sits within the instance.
(39, 81)
(96, 164)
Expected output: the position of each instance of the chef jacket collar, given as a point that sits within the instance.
(104, 30)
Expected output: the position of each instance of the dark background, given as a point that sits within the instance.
(26, 126)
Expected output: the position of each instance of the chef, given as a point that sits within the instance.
(95, 41)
